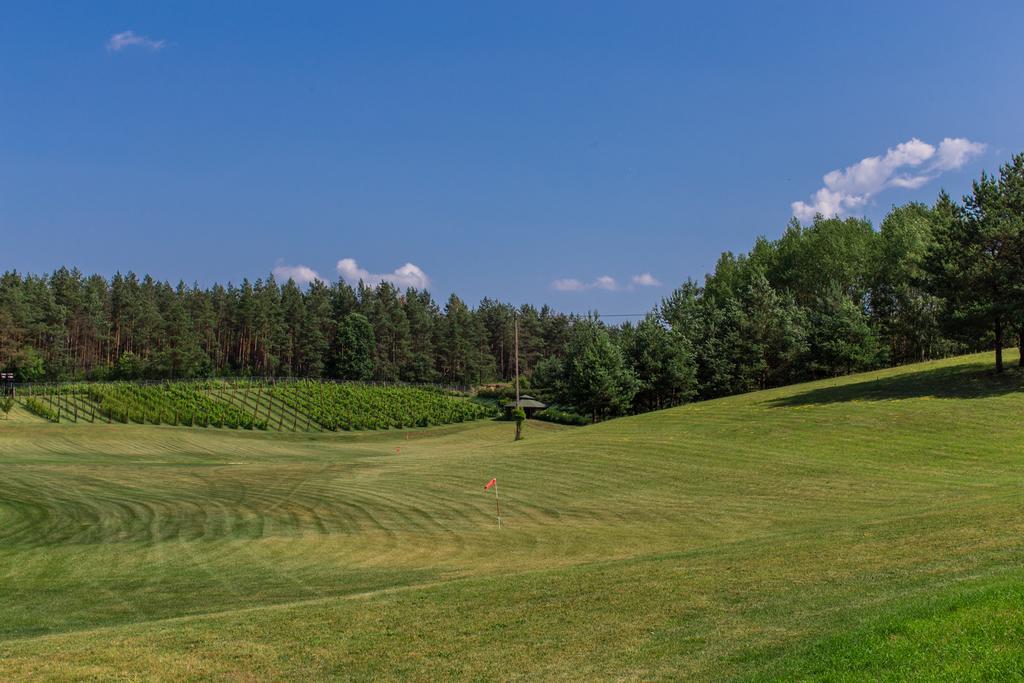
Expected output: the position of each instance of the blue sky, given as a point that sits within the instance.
(548, 152)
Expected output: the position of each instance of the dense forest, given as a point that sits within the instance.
(69, 326)
(831, 298)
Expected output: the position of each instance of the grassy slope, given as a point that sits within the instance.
(868, 526)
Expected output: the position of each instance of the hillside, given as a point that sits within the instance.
(865, 527)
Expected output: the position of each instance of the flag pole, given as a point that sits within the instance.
(497, 509)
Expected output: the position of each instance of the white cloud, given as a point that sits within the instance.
(409, 275)
(955, 152)
(908, 165)
(120, 41)
(302, 275)
(569, 285)
(606, 282)
(645, 280)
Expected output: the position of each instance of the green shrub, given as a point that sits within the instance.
(501, 392)
(562, 417)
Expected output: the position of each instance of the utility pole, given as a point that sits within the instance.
(517, 359)
(519, 422)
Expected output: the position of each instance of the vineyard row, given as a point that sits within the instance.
(302, 405)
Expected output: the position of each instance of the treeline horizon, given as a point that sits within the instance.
(68, 326)
(831, 298)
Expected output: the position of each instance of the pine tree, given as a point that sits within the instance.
(597, 380)
(971, 263)
(773, 334)
(293, 316)
(906, 315)
(354, 348)
(497, 319)
(1011, 216)
(316, 332)
(423, 315)
(459, 344)
(272, 328)
(662, 361)
(180, 354)
(382, 306)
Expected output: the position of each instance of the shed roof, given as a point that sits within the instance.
(525, 402)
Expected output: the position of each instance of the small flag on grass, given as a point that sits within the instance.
(497, 509)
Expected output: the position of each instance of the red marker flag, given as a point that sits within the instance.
(497, 508)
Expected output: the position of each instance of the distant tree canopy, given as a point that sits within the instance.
(830, 298)
(68, 326)
(594, 378)
(976, 260)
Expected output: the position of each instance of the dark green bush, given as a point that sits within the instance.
(562, 417)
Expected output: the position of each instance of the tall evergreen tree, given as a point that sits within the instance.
(423, 316)
(459, 344)
(497, 321)
(663, 362)
(383, 308)
(842, 339)
(1011, 217)
(270, 339)
(773, 334)
(907, 316)
(293, 316)
(179, 354)
(354, 348)
(597, 379)
(314, 337)
(971, 263)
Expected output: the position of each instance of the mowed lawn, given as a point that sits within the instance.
(870, 527)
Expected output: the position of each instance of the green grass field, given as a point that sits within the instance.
(870, 527)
